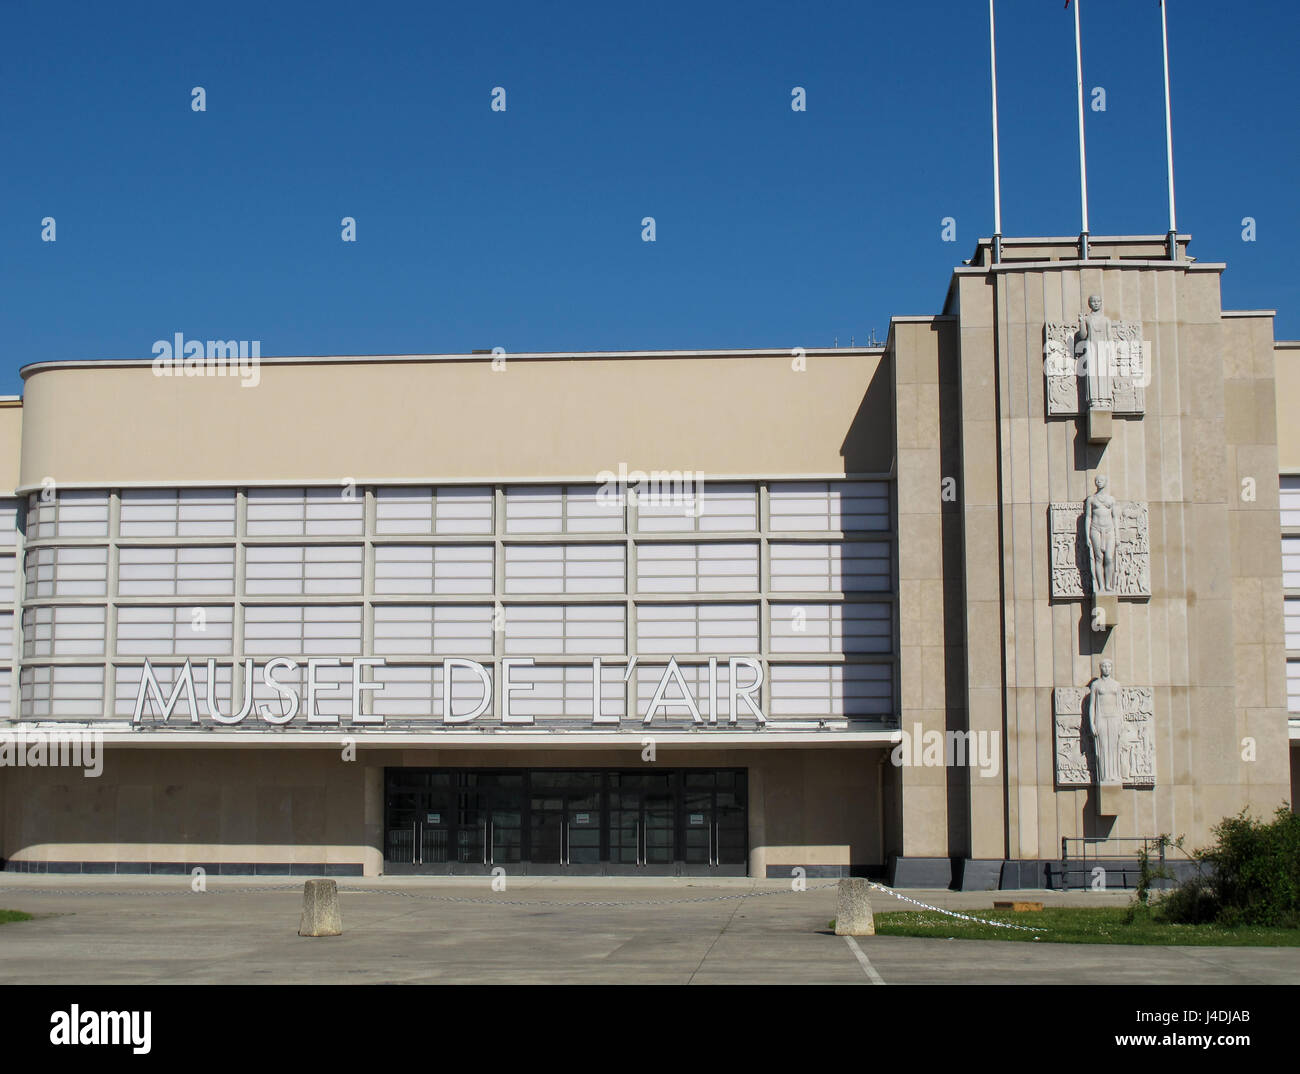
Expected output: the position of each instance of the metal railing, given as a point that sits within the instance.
(1119, 859)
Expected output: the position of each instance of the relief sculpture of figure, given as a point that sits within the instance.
(1101, 528)
(1106, 721)
(1094, 340)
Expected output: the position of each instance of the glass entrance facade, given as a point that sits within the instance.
(665, 822)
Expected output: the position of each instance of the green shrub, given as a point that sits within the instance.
(1193, 902)
(1252, 876)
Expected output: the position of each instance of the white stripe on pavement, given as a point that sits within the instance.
(866, 962)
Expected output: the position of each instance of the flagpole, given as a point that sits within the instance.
(1169, 137)
(997, 182)
(1083, 158)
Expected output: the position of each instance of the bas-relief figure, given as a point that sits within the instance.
(1116, 538)
(1115, 744)
(1099, 527)
(1098, 358)
(1092, 341)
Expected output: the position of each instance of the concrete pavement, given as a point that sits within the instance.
(543, 930)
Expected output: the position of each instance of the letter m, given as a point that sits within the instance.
(149, 688)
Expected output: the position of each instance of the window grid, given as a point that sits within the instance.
(309, 519)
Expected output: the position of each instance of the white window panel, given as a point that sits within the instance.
(333, 694)
(434, 570)
(404, 510)
(295, 630)
(830, 566)
(6, 637)
(177, 513)
(814, 691)
(70, 630)
(592, 509)
(691, 629)
(686, 567)
(81, 514)
(8, 579)
(170, 571)
(126, 688)
(307, 570)
(415, 692)
(8, 522)
(1291, 610)
(316, 512)
(728, 508)
(1290, 500)
(832, 628)
(40, 517)
(565, 693)
(696, 677)
(565, 629)
(798, 506)
(66, 572)
(572, 568)
(688, 507)
(200, 631)
(446, 511)
(462, 511)
(1293, 686)
(1291, 562)
(6, 702)
(433, 630)
(63, 692)
(535, 509)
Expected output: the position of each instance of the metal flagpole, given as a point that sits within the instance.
(997, 183)
(1169, 137)
(1083, 157)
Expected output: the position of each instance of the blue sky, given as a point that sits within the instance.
(522, 229)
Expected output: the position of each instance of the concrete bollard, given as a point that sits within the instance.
(320, 909)
(853, 911)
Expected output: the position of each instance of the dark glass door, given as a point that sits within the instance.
(643, 818)
(468, 820)
(713, 803)
(565, 818)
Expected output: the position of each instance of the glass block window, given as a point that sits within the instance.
(177, 513)
(571, 568)
(303, 570)
(801, 506)
(692, 629)
(176, 571)
(315, 512)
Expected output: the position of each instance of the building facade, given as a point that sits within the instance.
(725, 612)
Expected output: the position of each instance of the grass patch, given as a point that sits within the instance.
(1070, 924)
(13, 915)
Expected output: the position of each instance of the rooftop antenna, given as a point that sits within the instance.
(1083, 157)
(1169, 137)
(997, 183)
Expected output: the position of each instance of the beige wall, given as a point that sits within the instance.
(923, 354)
(11, 434)
(1209, 638)
(446, 419)
(1287, 372)
(279, 805)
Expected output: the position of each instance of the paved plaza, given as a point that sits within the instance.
(155, 930)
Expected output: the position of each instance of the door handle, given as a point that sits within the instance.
(417, 858)
(640, 853)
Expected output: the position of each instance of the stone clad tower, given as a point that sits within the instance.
(1003, 433)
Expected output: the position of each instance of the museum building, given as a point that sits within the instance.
(1017, 589)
